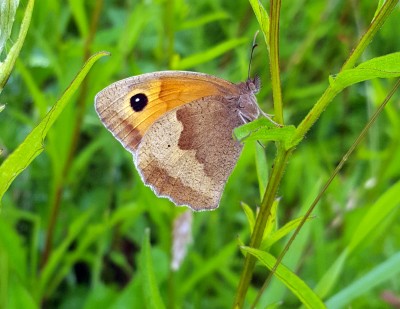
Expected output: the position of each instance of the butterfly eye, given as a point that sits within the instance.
(139, 102)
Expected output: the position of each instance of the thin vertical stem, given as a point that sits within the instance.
(259, 227)
(280, 160)
(274, 60)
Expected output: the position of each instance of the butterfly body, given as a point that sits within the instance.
(178, 126)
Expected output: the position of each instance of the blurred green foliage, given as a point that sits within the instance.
(98, 252)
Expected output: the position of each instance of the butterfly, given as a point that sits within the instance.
(178, 125)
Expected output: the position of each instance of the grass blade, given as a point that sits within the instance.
(150, 289)
(290, 279)
(207, 55)
(383, 272)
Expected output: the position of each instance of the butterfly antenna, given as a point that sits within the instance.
(252, 52)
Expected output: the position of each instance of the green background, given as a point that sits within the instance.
(87, 181)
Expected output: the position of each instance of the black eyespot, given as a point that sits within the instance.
(139, 102)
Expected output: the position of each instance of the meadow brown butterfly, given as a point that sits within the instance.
(178, 126)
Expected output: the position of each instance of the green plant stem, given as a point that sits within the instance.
(259, 227)
(330, 93)
(280, 160)
(320, 106)
(283, 155)
(344, 159)
(274, 60)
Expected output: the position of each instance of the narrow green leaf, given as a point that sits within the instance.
(380, 67)
(41, 102)
(378, 212)
(262, 18)
(383, 272)
(331, 277)
(7, 13)
(207, 55)
(240, 243)
(269, 240)
(254, 126)
(32, 146)
(150, 289)
(8, 64)
(79, 14)
(263, 130)
(271, 225)
(262, 168)
(205, 19)
(249, 215)
(379, 6)
(289, 279)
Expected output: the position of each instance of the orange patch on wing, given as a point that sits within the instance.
(164, 95)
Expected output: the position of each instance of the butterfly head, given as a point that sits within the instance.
(254, 84)
(247, 106)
